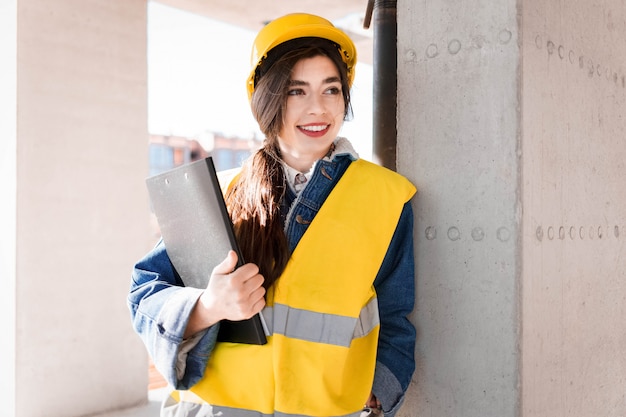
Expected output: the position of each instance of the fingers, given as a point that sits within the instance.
(227, 265)
(257, 299)
(247, 274)
(247, 284)
(235, 294)
(372, 402)
(251, 306)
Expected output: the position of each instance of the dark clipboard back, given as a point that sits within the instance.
(198, 233)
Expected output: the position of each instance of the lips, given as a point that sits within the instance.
(314, 130)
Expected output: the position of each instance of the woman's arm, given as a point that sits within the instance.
(160, 308)
(178, 324)
(395, 288)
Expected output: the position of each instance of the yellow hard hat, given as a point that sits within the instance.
(299, 25)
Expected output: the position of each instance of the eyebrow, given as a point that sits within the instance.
(328, 80)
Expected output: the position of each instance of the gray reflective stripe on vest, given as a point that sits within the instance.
(193, 406)
(321, 327)
(188, 409)
(236, 412)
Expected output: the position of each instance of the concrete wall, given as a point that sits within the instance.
(512, 125)
(574, 245)
(458, 127)
(77, 157)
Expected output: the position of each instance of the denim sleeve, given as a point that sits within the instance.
(395, 288)
(160, 307)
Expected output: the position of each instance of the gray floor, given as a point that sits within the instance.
(149, 410)
(155, 398)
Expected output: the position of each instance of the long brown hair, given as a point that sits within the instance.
(254, 200)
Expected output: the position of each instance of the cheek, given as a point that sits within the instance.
(340, 110)
(292, 110)
(341, 106)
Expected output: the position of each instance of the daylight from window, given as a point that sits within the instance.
(197, 101)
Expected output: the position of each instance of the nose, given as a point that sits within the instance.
(316, 104)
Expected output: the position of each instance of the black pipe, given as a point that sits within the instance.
(385, 79)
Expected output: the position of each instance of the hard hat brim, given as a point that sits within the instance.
(282, 30)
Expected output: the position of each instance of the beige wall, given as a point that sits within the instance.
(8, 112)
(512, 122)
(81, 157)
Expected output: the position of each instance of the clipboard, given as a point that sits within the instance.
(198, 233)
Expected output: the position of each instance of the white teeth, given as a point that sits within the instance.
(314, 128)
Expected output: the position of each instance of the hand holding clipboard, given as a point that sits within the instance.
(198, 234)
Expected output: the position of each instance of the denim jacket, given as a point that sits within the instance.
(160, 305)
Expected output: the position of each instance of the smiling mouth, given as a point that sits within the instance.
(314, 130)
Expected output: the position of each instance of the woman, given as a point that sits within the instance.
(328, 238)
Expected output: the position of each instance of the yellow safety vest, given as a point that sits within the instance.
(322, 313)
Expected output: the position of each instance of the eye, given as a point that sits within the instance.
(295, 92)
(333, 91)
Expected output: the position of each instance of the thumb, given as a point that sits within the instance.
(227, 265)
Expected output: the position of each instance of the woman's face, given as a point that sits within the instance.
(314, 113)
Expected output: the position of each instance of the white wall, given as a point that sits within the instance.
(82, 221)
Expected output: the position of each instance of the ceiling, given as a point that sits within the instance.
(346, 14)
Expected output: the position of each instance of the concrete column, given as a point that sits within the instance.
(574, 208)
(8, 132)
(511, 123)
(76, 217)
